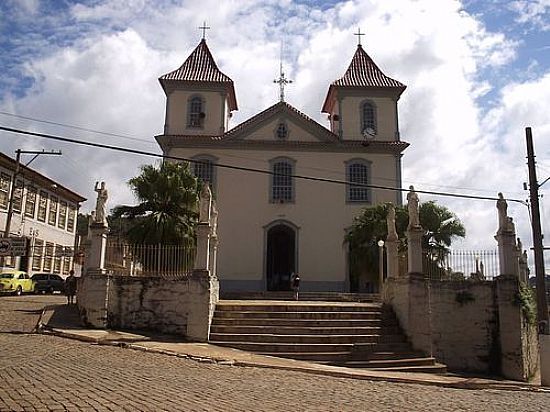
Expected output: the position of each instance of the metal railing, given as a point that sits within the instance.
(461, 265)
(169, 261)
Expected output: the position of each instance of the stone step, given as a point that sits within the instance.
(232, 306)
(385, 355)
(389, 363)
(314, 296)
(305, 330)
(301, 315)
(438, 368)
(324, 323)
(306, 339)
(328, 358)
(270, 347)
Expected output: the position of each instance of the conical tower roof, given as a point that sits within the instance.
(363, 72)
(200, 67)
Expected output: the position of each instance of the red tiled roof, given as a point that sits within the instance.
(201, 67)
(363, 72)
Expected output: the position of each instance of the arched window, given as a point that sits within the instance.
(282, 182)
(368, 118)
(205, 170)
(358, 175)
(195, 112)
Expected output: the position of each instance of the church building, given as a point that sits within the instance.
(276, 223)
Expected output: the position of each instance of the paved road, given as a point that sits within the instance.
(47, 373)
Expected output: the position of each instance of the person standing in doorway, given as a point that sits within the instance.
(295, 284)
(70, 287)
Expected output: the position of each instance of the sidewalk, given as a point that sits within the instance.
(63, 321)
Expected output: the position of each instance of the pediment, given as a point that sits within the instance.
(271, 125)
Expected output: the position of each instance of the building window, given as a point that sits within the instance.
(281, 133)
(5, 181)
(37, 254)
(52, 215)
(30, 202)
(71, 218)
(48, 258)
(62, 219)
(57, 259)
(66, 265)
(358, 176)
(368, 118)
(204, 170)
(42, 206)
(195, 112)
(18, 196)
(282, 182)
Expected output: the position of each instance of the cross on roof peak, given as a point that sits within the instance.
(358, 34)
(204, 27)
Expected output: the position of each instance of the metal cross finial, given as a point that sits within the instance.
(282, 81)
(359, 34)
(204, 27)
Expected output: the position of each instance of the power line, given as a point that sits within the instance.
(246, 169)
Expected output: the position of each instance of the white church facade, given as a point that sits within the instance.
(274, 224)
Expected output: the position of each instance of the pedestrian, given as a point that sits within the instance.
(295, 284)
(70, 287)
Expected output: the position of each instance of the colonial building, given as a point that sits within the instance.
(44, 212)
(274, 224)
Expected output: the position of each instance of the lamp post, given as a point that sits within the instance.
(380, 265)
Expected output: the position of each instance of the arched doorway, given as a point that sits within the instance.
(280, 256)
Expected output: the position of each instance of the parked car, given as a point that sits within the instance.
(48, 283)
(15, 282)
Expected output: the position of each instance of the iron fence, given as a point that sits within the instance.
(461, 265)
(170, 261)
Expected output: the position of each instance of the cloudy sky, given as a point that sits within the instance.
(477, 71)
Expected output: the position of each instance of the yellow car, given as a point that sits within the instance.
(15, 282)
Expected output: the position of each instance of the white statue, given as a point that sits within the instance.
(214, 219)
(502, 207)
(205, 204)
(101, 203)
(390, 221)
(412, 205)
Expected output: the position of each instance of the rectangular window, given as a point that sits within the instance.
(48, 259)
(62, 219)
(57, 259)
(42, 206)
(18, 196)
(358, 178)
(281, 182)
(66, 265)
(5, 181)
(37, 254)
(52, 215)
(71, 218)
(30, 202)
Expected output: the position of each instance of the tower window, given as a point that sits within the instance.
(368, 118)
(282, 182)
(195, 112)
(358, 175)
(282, 131)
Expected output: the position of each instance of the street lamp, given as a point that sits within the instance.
(380, 265)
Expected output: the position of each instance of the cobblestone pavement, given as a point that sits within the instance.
(47, 373)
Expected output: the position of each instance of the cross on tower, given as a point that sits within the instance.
(359, 34)
(204, 27)
(282, 81)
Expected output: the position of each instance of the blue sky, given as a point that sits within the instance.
(477, 71)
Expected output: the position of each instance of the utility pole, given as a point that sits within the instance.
(542, 304)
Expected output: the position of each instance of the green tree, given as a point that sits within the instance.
(441, 227)
(167, 209)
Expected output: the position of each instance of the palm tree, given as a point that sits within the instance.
(167, 209)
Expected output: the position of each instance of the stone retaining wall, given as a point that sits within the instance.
(184, 307)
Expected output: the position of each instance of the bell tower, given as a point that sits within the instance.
(362, 104)
(199, 97)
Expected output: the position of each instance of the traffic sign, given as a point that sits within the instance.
(13, 246)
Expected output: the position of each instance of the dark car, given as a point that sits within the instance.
(48, 283)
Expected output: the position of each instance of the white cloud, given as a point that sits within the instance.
(534, 12)
(107, 80)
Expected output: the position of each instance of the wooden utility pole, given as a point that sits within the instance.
(542, 304)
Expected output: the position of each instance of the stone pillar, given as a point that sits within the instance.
(414, 233)
(506, 239)
(95, 261)
(213, 252)
(544, 348)
(202, 256)
(392, 244)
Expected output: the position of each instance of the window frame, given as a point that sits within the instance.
(275, 186)
(370, 122)
(212, 160)
(37, 254)
(350, 189)
(30, 199)
(17, 202)
(71, 218)
(62, 215)
(5, 183)
(194, 118)
(52, 210)
(42, 206)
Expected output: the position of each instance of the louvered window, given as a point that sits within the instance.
(368, 119)
(195, 112)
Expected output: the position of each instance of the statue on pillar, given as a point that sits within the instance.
(101, 204)
(390, 221)
(502, 208)
(412, 206)
(205, 204)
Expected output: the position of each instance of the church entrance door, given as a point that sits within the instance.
(281, 257)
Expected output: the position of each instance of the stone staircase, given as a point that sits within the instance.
(355, 335)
